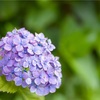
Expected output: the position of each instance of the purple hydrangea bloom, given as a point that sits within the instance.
(27, 60)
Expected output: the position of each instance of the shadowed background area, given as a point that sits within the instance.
(74, 28)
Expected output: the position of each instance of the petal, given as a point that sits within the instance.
(17, 59)
(50, 71)
(26, 75)
(9, 77)
(17, 69)
(21, 54)
(16, 40)
(33, 63)
(1, 43)
(19, 48)
(32, 68)
(10, 63)
(18, 74)
(51, 47)
(36, 73)
(5, 39)
(49, 41)
(30, 51)
(9, 40)
(37, 81)
(33, 89)
(14, 31)
(9, 34)
(58, 74)
(43, 81)
(38, 50)
(39, 65)
(14, 50)
(44, 76)
(5, 59)
(30, 37)
(7, 47)
(45, 67)
(58, 63)
(52, 89)
(58, 85)
(18, 81)
(6, 70)
(46, 90)
(28, 81)
(40, 91)
(52, 80)
(16, 64)
(25, 42)
(25, 65)
(24, 85)
(40, 37)
(2, 62)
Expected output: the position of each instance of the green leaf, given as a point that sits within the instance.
(6, 86)
(84, 66)
(87, 15)
(75, 39)
(23, 93)
(27, 95)
(59, 97)
(7, 11)
(40, 19)
(7, 96)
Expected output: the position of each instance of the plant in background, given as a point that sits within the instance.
(27, 60)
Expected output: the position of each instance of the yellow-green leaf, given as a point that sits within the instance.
(27, 95)
(6, 86)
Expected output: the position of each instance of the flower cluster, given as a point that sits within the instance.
(27, 60)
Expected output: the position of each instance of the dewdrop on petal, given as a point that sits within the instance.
(27, 60)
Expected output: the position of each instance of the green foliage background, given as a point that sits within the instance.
(74, 28)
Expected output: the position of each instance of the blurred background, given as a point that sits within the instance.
(74, 28)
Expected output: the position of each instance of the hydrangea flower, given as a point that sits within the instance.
(27, 60)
